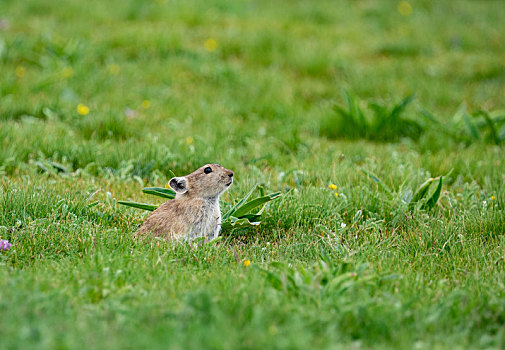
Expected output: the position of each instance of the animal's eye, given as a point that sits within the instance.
(207, 170)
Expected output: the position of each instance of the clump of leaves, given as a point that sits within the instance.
(419, 199)
(378, 122)
(468, 128)
(244, 213)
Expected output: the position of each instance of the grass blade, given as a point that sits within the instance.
(402, 105)
(144, 206)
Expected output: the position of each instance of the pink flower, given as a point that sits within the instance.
(4, 244)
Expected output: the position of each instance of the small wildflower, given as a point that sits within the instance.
(404, 8)
(210, 45)
(343, 225)
(493, 198)
(189, 140)
(82, 109)
(20, 71)
(332, 187)
(113, 69)
(336, 194)
(4, 244)
(67, 72)
(247, 263)
(146, 104)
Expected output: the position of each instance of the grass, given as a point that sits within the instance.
(355, 267)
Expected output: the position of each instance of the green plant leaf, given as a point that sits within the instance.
(160, 192)
(397, 109)
(242, 201)
(251, 217)
(91, 205)
(274, 280)
(472, 129)
(492, 127)
(434, 197)
(243, 222)
(246, 208)
(355, 111)
(421, 192)
(144, 206)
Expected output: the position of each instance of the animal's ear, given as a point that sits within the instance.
(179, 184)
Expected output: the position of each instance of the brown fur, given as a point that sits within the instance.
(195, 211)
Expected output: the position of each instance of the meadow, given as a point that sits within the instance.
(347, 107)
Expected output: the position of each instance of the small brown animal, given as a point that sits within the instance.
(195, 211)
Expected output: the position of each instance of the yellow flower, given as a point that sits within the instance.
(146, 104)
(113, 69)
(336, 194)
(404, 8)
(247, 263)
(332, 187)
(67, 72)
(210, 44)
(20, 71)
(493, 198)
(82, 109)
(189, 140)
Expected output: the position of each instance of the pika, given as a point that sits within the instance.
(195, 210)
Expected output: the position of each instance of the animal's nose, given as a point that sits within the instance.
(230, 174)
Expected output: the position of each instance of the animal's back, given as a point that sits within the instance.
(170, 220)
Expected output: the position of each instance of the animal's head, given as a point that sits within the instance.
(211, 180)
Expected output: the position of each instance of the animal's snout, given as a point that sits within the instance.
(230, 174)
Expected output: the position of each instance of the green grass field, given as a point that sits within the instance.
(101, 98)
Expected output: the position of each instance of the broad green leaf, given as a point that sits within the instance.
(246, 208)
(421, 192)
(434, 198)
(160, 192)
(242, 201)
(251, 217)
(144, 206)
